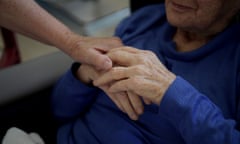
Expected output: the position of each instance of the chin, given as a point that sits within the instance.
(182, 23)
(177, 23)
(180, 20)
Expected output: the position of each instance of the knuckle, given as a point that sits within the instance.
(127, 47)
(140, 59)
(114, 73)
(116, 39)
(136, 81)
(114, 70)
(139, 69)
(148, 52)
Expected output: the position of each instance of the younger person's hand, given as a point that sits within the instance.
(92, 50)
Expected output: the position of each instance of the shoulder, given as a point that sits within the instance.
(139, 22)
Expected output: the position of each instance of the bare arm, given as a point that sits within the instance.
(28, 18)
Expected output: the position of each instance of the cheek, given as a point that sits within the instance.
(207, 15)
(210, 9)
(201, 18)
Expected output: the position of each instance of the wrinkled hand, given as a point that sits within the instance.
(140, 72)
(127, 102)
(91, 50)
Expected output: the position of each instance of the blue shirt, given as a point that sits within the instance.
(200, 106)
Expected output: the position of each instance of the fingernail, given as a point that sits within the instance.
(107, 65)
(139, 111)
(134, 117)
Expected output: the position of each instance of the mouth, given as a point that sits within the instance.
(181, 8)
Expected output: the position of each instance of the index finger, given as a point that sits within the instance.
(124, 56)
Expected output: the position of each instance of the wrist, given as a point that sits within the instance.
(70, 44)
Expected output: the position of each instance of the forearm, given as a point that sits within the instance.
(196, 117)
(28, 18)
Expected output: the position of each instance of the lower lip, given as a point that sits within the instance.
(180, 8)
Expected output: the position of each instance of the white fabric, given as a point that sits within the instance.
(17, 136)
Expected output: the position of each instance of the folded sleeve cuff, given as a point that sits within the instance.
(178, 100)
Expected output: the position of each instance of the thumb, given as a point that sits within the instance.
(97, 59)
(103, 62)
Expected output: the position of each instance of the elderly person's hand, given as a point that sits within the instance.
(140, 72)
(127, 102)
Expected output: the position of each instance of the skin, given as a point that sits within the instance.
(28, 18)
(130, 73)
(127, 102)
(141, 73)
(197, 22)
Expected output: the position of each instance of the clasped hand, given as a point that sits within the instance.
(137, 77)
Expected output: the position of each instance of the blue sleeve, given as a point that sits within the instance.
(197, 119)
(70, 97)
